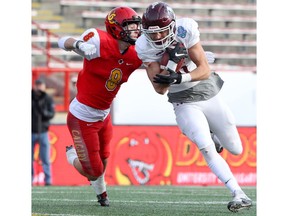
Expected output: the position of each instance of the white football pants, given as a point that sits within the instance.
(196, 119)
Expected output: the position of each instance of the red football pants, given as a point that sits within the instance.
(92, 142)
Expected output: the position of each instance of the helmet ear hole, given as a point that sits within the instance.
(123, 34)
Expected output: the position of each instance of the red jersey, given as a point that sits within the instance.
(100, 79)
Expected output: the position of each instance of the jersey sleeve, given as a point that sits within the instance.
(90, 36)
(145, 52)
(187, 32)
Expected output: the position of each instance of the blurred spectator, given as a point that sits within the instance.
(43, 111)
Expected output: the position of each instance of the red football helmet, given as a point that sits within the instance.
(159, 17)
(117, 21)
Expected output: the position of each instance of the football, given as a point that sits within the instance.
(165, 59)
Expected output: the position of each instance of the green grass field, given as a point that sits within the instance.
(136, 201)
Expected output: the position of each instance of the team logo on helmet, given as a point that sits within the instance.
(111, 18)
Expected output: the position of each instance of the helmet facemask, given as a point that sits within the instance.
(126, 33)
(162, 43)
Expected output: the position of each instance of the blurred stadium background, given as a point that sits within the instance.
(165, 156)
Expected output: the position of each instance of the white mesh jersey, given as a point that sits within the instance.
(187, 33)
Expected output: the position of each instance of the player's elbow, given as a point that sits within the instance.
(160, 90)
(206, 72)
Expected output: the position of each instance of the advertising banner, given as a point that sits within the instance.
(150, 155)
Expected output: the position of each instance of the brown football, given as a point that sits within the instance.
(165, 59)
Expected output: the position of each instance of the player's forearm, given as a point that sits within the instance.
(67, 43)
(160, 88)
(202, 72)
(152, 70)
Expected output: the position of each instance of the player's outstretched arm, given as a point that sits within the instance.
(69, 44)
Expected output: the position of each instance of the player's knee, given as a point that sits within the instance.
(208, 152)
(95, 174)
(93, 171)
(92, 178)
(201, 140)
(104, 155)
(235, 148)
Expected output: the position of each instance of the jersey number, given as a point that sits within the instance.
(88, 36)
(114, 79)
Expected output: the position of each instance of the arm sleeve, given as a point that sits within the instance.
(61, 43)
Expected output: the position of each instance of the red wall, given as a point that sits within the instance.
(156, 155)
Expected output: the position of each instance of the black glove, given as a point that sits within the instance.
(178, 53)
(171, 78)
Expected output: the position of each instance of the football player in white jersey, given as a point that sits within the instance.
(193, 90)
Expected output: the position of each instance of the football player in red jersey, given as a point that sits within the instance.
(109, 59)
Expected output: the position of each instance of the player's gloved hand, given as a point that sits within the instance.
(171, 78)
(210, 57)
(177, 53)
(88, 49)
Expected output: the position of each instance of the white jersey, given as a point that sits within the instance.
(188, 34)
